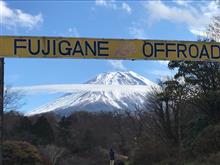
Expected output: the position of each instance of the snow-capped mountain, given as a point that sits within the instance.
(120, 78)
(102, 99)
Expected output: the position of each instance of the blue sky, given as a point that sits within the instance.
(164, 20)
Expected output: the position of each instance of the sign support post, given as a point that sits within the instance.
(1, 107)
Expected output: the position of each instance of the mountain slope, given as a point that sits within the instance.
(105, 100)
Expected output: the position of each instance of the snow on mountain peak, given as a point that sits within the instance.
(106, 100)
(120, 78)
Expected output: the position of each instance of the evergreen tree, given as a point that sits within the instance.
(64, 134)
(203, 81)
(43, 131)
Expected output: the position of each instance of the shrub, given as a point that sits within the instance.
(119, 162)
(21, 153)
(149, 153)
(214, 159)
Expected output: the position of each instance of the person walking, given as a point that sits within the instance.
(112, 156)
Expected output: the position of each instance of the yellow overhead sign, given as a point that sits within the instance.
(89, 48)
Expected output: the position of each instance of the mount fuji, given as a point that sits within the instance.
(111, 91)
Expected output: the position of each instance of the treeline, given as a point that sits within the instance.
(83, 138)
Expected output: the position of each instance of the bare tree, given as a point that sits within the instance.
(213, 30)
(165, 108)
(12, 99)
(52, 152)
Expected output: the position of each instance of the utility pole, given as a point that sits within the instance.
(1, 107)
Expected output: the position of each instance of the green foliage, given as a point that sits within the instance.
(203, 81)
(207, 141)
(21, 153)
(193, 128)
(204, 74)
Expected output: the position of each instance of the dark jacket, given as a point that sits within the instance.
(111, 154)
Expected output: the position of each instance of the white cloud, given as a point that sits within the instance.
(70, 32)
(196, 16)
(182, 2)
(126, 7)
(162, 75)
(137, 32)
(107, 3)
(71, 88)
(11, 18)
(73, 31)
(163, 62)
(112, 4)
(117, 64)
(101, 2)
(199, 32)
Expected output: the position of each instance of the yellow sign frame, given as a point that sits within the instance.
(97, 48)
